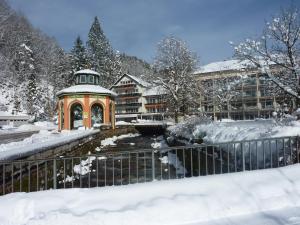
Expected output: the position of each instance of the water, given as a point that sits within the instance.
(126, 144)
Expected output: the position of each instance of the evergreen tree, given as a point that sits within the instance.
(32, 95)
(100, 53)
(79, 59)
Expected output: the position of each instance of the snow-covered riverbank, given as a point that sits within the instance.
(41, 140)
(218, 199)
(217, 132)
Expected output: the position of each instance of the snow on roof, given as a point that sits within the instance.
(157, 90)
(233, 64)
(136, 79)
(86, 89)
(140, 81)
(87, 71)
(8, 115)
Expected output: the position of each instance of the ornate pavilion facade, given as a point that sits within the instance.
(86, 104)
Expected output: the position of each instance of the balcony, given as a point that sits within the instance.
(129, 94)
(161, 104)
(139, 104)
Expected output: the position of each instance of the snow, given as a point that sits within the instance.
(87, 71)
(85, 166)
(157, 90)
(123, 123)
(111, 141)
(138, 80)
(5, 113)
(86, 89)
(254, 197)
(218, 132)
(37, 126)
(168, 157)
(40, 141)
(233, 64)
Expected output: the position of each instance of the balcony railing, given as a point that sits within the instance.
(129, 94)
(129, 104)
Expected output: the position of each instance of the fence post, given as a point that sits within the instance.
(153, 166)
(243, 156)
(54, 174)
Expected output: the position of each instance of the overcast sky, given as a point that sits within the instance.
(135, 26)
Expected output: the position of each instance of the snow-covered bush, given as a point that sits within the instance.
(185, 129)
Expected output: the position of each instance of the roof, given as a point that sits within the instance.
(233, 64)
(157, 90)
(136, 79)
(86, 89)
(87, 71)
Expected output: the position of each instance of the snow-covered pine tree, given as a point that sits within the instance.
(79, 59)
(31, 90)
(101, 54)
(174, 63)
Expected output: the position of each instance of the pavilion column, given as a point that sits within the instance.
(59, 115)
(86, 112)
(106, 116)
(66, 114)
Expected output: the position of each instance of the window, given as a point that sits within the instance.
(133, 110)
(151, 110)
(91, 79)
(97, 80)
(82, 78)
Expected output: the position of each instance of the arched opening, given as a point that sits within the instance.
(97, 114)
(76, 116)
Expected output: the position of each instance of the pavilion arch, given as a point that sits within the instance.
(76, 114)
(97, 112)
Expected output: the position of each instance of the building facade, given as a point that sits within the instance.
(238, 91)
(137, 99)
(85, 104)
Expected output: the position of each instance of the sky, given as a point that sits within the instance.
(136, 26)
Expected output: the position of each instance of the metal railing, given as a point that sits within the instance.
(121, 168)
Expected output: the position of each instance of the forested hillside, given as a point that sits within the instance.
(33, 67)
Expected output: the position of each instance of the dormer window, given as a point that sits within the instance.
(82, 79)
(91, 79)
(87, 77)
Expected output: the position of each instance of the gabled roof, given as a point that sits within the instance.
(136, 79)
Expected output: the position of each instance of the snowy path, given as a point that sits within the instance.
(268, 197)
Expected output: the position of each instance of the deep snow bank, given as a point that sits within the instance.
(185, 201)
(218, 132)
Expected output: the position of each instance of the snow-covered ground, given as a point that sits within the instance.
(267, 197)
(111, 141)
(40, 141)
(217, 132)
(37, 126)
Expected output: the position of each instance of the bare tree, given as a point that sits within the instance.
(221, 92)
(174, 63)
(276, 52)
